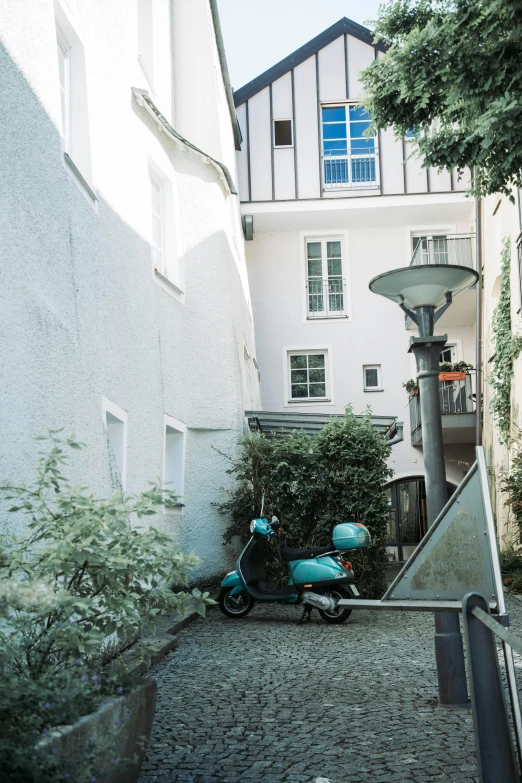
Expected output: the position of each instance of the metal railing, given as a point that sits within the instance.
(326, 298)
(456, 249)
(454, 397)
(343, 170)
(496, 756)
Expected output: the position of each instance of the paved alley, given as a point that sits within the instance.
(265, 700)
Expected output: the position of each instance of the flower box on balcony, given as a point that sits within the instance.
(413, 392)
(452, 376)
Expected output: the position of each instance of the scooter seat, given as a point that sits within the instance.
(306, 554)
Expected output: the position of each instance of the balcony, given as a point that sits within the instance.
(458, 410)
(326, 298)
(342, 171)
(456, 249)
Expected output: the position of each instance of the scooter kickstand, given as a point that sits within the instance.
(306, 616)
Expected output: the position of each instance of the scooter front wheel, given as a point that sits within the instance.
(235, 604)
(337, 616)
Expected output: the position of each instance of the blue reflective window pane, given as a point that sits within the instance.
(358, 128)
(335, 147)
(334, 114)
(359, 146)
(358, 113)
(335, 131)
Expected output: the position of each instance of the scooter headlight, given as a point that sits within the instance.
(252, 525)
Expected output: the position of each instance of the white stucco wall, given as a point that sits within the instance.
(375, 331)
(83, 315)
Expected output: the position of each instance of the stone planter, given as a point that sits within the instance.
(120, 729)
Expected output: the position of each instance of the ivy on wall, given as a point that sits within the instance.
(507, 348)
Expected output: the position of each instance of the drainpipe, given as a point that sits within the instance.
(479, 343)
(399, 437)
(224, 70)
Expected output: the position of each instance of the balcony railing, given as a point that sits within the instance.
(454, 397)
(350, 171)
(457, 249)
(326, 298)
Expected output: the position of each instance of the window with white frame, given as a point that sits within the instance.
(372, 377)
(308, 375)
(325, 284)
(349, 156)
(64, 78)
(283, 133)
(72, 90)
(157, 202)
(115, 422)
(145, 38)
(174, 458)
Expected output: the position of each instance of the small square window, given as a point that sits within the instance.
(372, 377)
(115, 422)
(283, 136)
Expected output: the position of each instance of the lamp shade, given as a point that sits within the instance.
(423, 286)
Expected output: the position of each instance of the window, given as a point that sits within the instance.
(71, 88)
(349, 155)
(115, 422)
(145, 39)
(64, 81)
(158, 229)
(283, 133)
(324, 278)
(174, 458)
(308, 372)
(430, 249)
(372, 377)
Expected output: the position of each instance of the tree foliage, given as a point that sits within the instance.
(507, 348)
(311, 484)
(453, 76)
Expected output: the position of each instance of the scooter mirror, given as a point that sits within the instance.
(275, 520)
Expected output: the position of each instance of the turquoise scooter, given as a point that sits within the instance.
(318, 577)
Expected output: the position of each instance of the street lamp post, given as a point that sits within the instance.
(419, 291)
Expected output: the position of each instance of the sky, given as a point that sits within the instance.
(259, 33)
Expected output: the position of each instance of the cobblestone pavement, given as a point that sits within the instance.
(265, 700)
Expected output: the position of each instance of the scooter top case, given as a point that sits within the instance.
(351, 535)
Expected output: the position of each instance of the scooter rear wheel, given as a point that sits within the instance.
(237, 605)
(338, 616)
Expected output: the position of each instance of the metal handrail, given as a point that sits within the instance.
(350, 170)
(326, 298)
(493, 738)
(455, 397)
(456, 249)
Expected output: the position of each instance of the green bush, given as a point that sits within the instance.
(80, 584)
(311, 484)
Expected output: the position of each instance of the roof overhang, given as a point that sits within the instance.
(281, 423)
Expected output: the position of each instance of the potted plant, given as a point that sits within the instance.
(412, 387)
(76, 588)
(453, 372)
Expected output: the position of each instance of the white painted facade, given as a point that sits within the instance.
(151, 369)
(286, 192)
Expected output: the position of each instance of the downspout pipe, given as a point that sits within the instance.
(400, 435)
(224, 71)
(479, 343)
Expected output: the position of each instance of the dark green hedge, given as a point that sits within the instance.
(311, 484)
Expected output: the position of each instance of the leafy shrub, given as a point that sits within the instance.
(511, 567)
(81, 572)
(311, 484)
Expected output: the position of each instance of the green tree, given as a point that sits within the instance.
(453, 76)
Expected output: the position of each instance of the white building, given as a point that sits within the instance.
(125, 314)
(328, 209)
